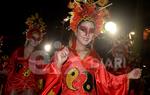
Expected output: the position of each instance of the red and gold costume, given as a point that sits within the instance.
(84, 77)
(20, 76)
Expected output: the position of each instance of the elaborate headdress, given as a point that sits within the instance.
(35, 24)
(88, 10)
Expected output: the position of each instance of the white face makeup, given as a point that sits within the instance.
(85, 32)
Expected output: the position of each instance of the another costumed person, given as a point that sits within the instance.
(77, 69)
(21, 80)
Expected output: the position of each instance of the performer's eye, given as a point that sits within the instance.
(91, 30)
(82, 29)
(36, 39)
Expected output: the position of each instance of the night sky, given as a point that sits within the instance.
(126, 13)
(14, 14)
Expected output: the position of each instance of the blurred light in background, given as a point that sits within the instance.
(131, 35)
(111, 27)
(47, 47)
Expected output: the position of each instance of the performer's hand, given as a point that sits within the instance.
(61, 56)
(135, 73)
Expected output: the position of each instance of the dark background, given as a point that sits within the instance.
(14, 13)
(130, 15)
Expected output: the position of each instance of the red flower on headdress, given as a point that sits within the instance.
(89, 12)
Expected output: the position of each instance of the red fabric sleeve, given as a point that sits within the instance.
(53, 80)
(108, 84)
(11, 64)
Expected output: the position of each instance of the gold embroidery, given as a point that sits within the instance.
(51, 92)
(40, 83)
(88, 86)
(27, 72)
(71, 76)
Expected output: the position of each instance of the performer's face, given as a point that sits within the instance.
(35, 39)
(85, 32)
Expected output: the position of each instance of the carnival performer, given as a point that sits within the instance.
(77, 69)
(21, 80)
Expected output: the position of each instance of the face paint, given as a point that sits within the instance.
(85, 32)
(35, 39)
